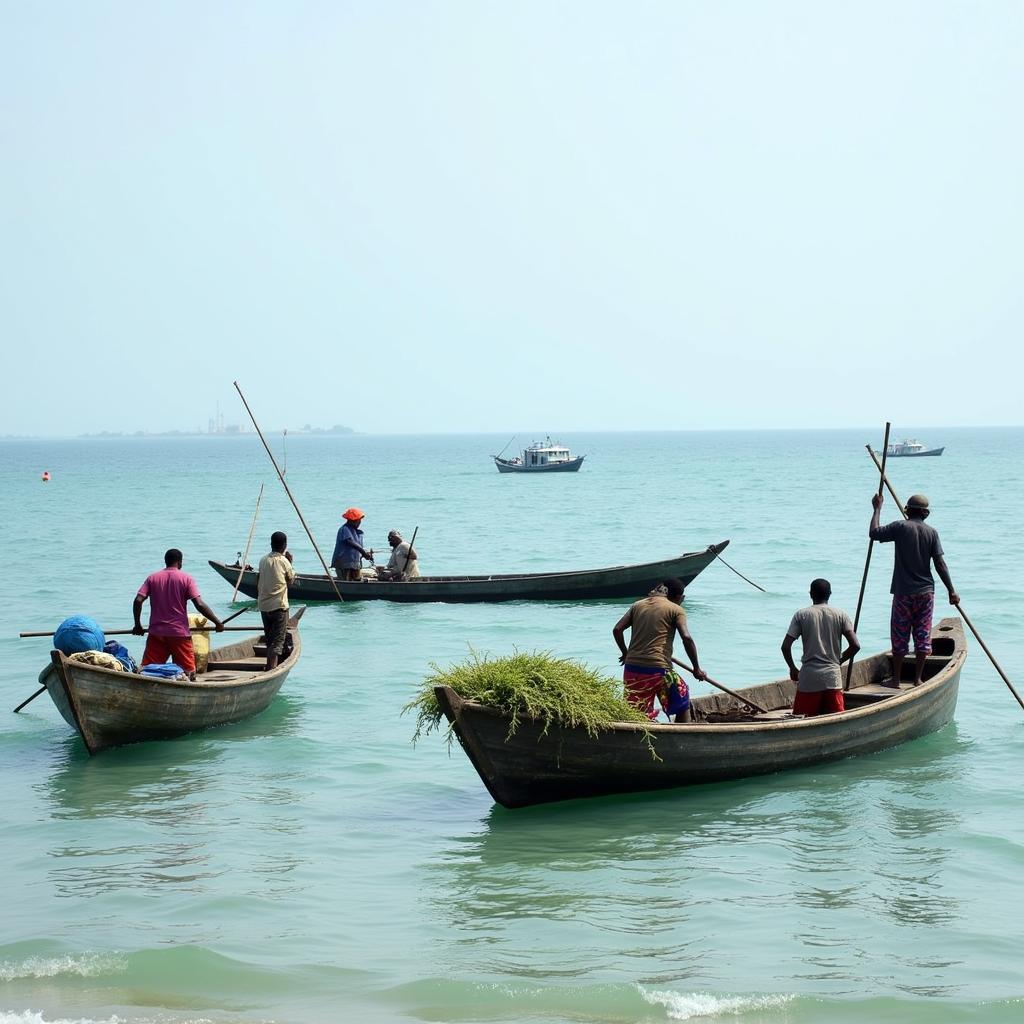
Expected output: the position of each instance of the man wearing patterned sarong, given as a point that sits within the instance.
(647, 662)
(917, 546)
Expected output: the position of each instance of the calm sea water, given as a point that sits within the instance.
(310, 865)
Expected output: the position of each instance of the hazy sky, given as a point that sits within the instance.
(521, 216)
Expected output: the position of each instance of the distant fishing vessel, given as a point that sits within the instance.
(541, 457)
(911, 448)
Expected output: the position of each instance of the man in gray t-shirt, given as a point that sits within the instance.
(917, 548)
(820, 629)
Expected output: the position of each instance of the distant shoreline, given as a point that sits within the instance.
(142, 435)
(350, 432)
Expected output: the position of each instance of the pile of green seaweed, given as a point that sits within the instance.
(557, 691)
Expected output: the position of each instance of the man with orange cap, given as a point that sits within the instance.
(348, 549)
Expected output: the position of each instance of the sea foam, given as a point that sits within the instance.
(694, 1005)
(87, 965)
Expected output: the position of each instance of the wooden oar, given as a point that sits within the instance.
(248, 545)
(126, 632)
(959, 607)
(291, 497)
(30, 699)
(867, 561)
(724, 689)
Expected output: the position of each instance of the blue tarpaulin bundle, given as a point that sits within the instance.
(78, 633)
(166, 671)
(119, 651)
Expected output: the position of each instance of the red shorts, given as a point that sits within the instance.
(820, 702)
(174, 648)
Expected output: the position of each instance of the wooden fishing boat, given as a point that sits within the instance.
(617, 581)
(110, 708)
(727, 740)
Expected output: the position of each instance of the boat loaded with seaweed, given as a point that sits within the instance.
(537, 732)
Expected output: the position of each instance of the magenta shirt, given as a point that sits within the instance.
(169, 592)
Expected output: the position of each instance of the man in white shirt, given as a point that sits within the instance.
(403, 563)
(275, 576)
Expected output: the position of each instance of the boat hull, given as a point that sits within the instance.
(110, 709)
(505, 466)
(531, 767)
(915, 455)
(617, 581)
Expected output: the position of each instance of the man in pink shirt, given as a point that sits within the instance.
(169, 592)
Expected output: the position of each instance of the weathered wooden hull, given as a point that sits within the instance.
(504, 466)
(632, 581)
(111, 709)
(530, 767)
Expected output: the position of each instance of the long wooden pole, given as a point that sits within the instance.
(959, 607)
(291, 497)
(867, 560)
(248, 545)
(30, 699)
(881, 469)
(724, 689)
(127, 632)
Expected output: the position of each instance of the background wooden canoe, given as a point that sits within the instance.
(630, 581)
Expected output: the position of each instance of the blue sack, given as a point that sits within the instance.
(119, 651)
(166, 671)
(78, 633)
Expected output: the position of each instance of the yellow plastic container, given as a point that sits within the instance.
(200, 641)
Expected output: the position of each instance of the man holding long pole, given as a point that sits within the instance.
(917, 547)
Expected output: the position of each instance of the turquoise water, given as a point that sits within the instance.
(310, 865)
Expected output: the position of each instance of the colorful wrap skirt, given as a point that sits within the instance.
(643, 683)
(912, 613)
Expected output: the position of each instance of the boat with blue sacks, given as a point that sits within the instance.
(545, 456)
(110, 708)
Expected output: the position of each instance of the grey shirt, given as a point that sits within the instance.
(916, 544)
(820, 630)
